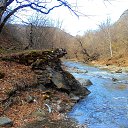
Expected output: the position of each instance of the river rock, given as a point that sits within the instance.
(72, 104)
(81, 71)
(86, 82)
(5, 121)
(114, 79)
(75, 86)
(59, 81)
(118, 71)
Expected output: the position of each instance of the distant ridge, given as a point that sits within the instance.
(124, 15)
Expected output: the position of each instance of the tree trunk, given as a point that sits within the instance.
(1, 26)
(2, 22)
(110, 42)
(2, 9)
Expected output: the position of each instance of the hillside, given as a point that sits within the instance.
(110, 41)
(8, 43)
(124, 16)
(94, 44)
(21, 36)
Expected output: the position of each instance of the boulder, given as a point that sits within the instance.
(118, 71)
(48, 71)
(114, 79)
(5, 121)
(74, 98)
(63, 81)
(59, 81)
(86, 82)
(75, 86)
(79, 71)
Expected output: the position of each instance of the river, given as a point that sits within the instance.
(107, 104)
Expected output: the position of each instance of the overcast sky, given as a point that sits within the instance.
(97, 11)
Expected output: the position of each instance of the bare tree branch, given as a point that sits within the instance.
(37, 5)
(9, 2)
(44, 12)
(10, 14)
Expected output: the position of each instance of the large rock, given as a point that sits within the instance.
(47, 67)
(118, 71)
(85, 82)
(61, 80)
(75, 87)
(52, 75)
(5, 121)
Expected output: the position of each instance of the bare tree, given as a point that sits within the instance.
(86, 56)
(41, 31)
(42, 6)
(105, 27)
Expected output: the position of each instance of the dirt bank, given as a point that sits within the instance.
(36, 92)
(117, 64)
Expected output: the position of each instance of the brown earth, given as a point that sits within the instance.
(24, 107)
(29, 103)
(120, 61)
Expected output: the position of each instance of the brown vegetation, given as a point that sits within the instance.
(120, 61)
(43, 38)
(110, 42)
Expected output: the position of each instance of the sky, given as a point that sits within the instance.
(95, 12)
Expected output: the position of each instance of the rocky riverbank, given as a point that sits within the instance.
(35, 88)
(111, 67)
(117, 64)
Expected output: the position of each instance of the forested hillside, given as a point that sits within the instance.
(21, 37)
(110, 40)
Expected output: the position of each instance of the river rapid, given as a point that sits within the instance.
(107, 104)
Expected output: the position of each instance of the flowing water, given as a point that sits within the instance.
(107, 105)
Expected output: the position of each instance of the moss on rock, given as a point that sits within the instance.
(29, 57)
